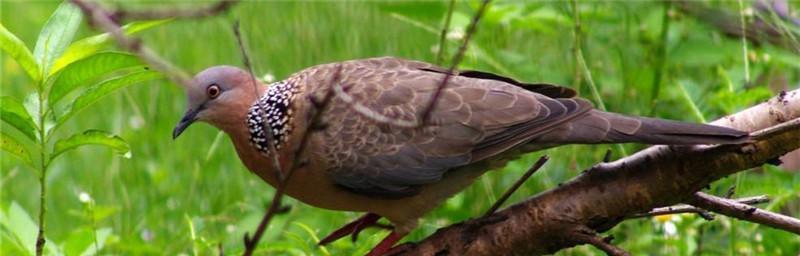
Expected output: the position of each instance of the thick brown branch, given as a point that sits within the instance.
(606, 194)
(746, 212)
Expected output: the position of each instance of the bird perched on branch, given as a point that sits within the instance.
(362, 160)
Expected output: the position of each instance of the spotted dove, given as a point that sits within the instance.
(481, 120)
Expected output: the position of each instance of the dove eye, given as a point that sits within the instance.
(213, 91)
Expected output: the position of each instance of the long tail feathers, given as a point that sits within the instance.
(604, 127)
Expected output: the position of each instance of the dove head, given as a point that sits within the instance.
(220, 96)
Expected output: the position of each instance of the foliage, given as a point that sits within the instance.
(191, 195)
(66, 79)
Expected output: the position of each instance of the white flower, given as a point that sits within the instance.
(84, 197)
(455, 34)
(268, 78)
(670, 229)
(136, 122)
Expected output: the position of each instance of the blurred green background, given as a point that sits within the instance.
(191, 196)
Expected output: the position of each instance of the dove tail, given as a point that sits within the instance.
(604, 127)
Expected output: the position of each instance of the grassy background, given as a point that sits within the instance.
(189, 195)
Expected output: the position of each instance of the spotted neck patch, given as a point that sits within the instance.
(272, 109)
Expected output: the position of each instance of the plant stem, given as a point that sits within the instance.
(43, 163)
(744, 43)
(582, 69)
(661, 61)
(576, 46)
(688, 98)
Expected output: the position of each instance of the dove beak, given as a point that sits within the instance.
(186, 121)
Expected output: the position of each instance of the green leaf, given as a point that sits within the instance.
(14, 113)
(56, 35)
(92, 137)
(104, 88)
(82, 241)
(12, 146)
(17, 50)
(87, 71)
(83, 48)
(22, 226)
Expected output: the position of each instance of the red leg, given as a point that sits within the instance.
(353, 228)
(386, 245)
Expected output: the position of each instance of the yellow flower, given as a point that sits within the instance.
(663, 218)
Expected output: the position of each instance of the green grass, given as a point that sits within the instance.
(186, 196)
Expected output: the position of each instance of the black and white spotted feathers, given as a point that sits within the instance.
(274, 109)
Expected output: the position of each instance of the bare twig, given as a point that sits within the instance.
(607, 156)
(746, 212)
(251, 242)
(683, 208)
(425, 114)
(443, 35)
(316, 114)
(276, 165)
(536, 166)
(757, 32)
(473, 26)
(102, 19)
(163, 13)
(586, 235)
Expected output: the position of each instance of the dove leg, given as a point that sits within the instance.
(386, 245)
(354, 228)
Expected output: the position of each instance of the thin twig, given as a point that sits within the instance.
(757, 32)
(251, 242)
(379, 118)
(746, 212)
(443, 35)
(536, 166)
(163, 13)
(683, 208)
(101, 18)
(276, 165)
(588, 236)
(473, 26)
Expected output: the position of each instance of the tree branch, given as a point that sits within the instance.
(166, 13)
(758, 31)
(588, 236)
(683, 208)
(104, 20)
(536, 166)
(746, 212)
(607, 193)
